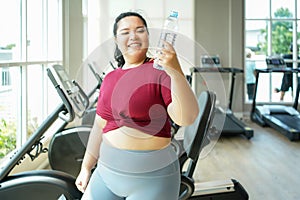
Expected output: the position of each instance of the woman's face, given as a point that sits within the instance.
(132, 37)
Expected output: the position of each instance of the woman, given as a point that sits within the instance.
(131, 135)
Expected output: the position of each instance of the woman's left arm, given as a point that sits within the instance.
(183, 109)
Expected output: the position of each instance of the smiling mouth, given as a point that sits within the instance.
(134, 45)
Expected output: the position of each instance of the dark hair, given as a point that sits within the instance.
(118, 54)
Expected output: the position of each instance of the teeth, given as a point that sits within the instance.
(135, 45)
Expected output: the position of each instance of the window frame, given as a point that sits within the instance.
(42, 63)
(270, 20)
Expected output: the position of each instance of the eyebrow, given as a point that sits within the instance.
(125, 29)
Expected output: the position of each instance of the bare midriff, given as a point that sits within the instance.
(133, 139)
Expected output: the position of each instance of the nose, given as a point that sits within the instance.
(132, 35)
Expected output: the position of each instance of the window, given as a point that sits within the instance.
(30, 41)
(270, 30)
(101, 14)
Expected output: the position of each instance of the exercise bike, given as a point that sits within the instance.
(55, 183)
(44, 184)
(67, 147)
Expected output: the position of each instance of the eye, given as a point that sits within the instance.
(140, 30)
(124, 33)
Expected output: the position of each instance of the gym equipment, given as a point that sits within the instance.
(67, 147)
(285, 119)
(37, 185)
(210, 61)
(196, 137)
(232, 125)
(43, 184)
(52, 184)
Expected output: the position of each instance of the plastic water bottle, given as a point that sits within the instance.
(168, 33)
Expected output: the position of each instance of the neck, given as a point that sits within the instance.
(133, 63)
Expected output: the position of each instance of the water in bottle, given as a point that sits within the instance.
(168, 33)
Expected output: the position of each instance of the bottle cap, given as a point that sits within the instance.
(174, 14)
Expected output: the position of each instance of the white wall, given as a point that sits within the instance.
(219, 29)
(72, 36)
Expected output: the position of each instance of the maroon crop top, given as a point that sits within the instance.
(138, 98)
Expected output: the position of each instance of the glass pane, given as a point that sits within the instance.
(282, 37)
(298, 10)
(263, 88)
(42, 97)
(298, 34)
(256, 36)
(35, 33)
(277, 80)
(257, 9)
(10, 47)
(255, 39)
(35, 110)
(9, 101)
(267, 84)
(54, 30)
(283, 9)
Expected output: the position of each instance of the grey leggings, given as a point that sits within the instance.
(129, 175)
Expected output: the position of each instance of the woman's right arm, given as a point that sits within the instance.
(91, 154)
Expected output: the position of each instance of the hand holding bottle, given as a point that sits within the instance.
(167, 58)
(168, 34)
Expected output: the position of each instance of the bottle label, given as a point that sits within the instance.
(168, 34)
(169, 37)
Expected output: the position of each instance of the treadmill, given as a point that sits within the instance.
(231, 124)
(285, 119)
